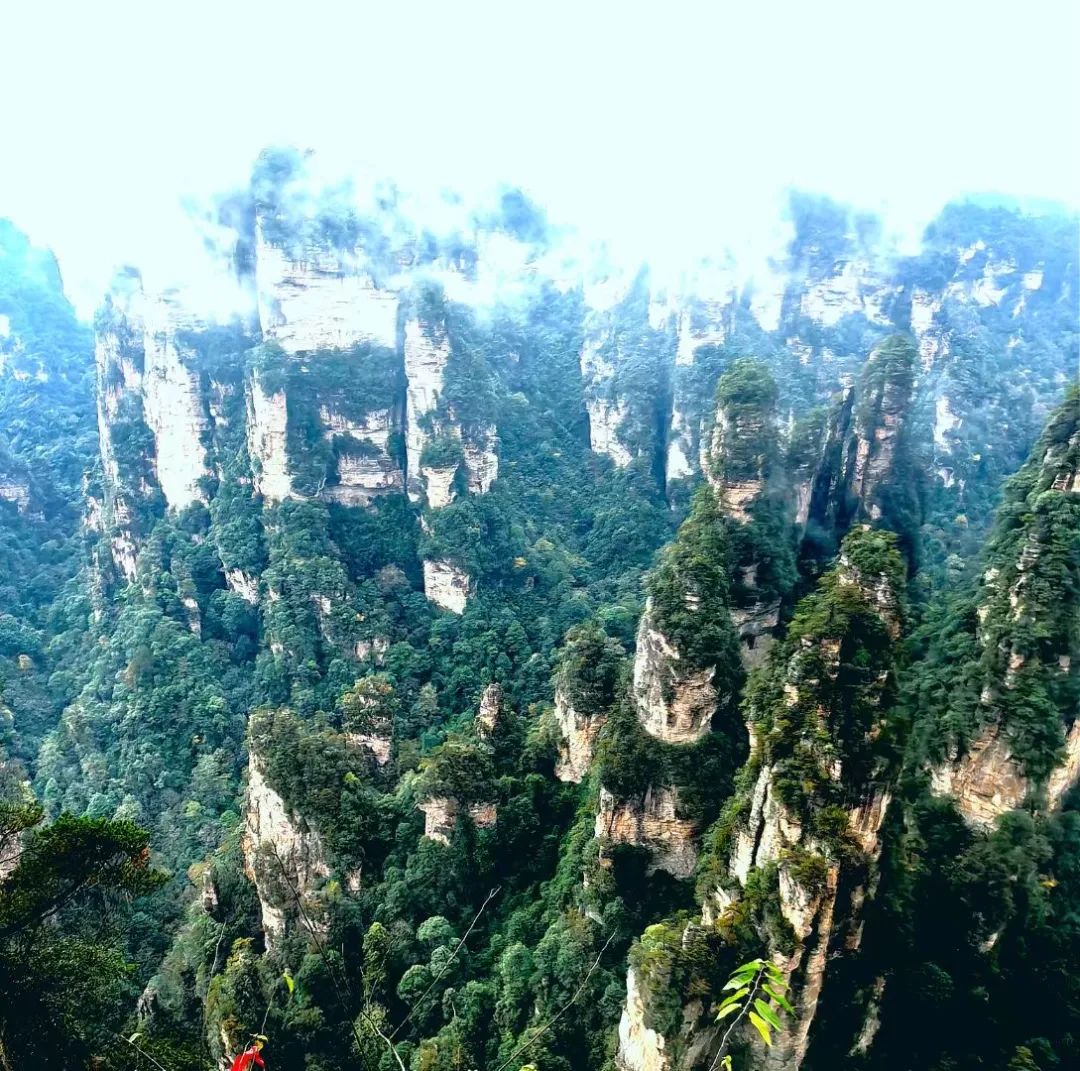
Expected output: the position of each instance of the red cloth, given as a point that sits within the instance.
(248, 1059)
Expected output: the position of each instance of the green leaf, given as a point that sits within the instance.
(779, 997)
(725, 1063)
(767, 1014)
(761, 1027)
(735, 983)
(137, 1034)
(726, 1010)
(732, 997)
(289, 982)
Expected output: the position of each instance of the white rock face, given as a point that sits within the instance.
(124, 554)
(651, 823)
(324, 301)
(14, 491)
(439, 485)
(118, 353)
(247, 587)
(846, 292)
(579, 733)
(605, 419)
(482, 461)
(640, 1049)
(172, 403)
(606, 414)
(275, 841)
(378, 746)
(427, 350)
(933, 342)
(446, 585)
(678, 464)
(673, 705)
(944, 422)
(364, 475)
(267, 442)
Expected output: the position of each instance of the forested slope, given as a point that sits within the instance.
(492, 675)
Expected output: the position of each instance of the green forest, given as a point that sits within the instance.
(373, 681)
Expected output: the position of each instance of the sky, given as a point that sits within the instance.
(670, 129)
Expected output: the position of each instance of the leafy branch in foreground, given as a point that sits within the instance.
(756, 991)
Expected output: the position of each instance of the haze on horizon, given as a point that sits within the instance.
(669, 130)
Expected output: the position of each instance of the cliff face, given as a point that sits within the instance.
(815, 727)
(865, 452)
(627, 354)
(319, 297)
(283, 855)
(587, 683)
(175, 411)
(674, 705)
(267, 432)
(1023, 651)
(441, 814)
(652, 823)
(427, 350)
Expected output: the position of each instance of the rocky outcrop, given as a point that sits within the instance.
(427, 350)
(283, 855)
(365, 465)
(119, 351)
(703, 324)
(172, 400)
(674, 705)
(446, 585)
(652, 823)
(800, 746)
(148, 373)
(481, 460)
(884, 404)
(854, 286)
(267, 439)
(441, 814)
(12, 490)
(607, 410)
(1024, 590)
(439, 484)
(864, 440)
(247, 587)
(986, 781)
(490, 710)
(578, 734)
(756, 625)
(320, 298)
(640, 1048)
(736, 487)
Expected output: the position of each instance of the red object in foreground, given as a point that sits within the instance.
(248, 1059)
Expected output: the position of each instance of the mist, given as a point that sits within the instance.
(663, 133)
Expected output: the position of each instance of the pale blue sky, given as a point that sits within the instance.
(669, 127)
